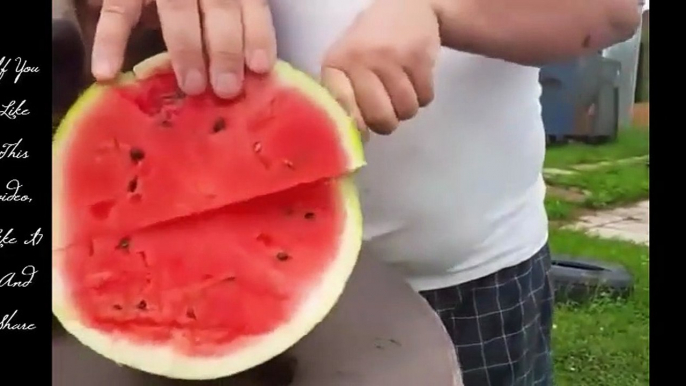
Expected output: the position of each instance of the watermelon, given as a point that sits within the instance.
(194, 237)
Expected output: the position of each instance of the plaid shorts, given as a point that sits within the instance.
(500, 324)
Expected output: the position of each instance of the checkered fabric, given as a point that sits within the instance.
(501, 324)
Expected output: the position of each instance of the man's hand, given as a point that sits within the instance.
(381, 70)
(232, 34)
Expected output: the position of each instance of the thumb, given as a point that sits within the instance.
(341, 88)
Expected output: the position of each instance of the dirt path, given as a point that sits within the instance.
(628, 223)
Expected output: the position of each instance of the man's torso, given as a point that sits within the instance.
(456, 193)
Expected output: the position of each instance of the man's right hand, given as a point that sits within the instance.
(233, 33)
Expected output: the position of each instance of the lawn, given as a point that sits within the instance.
(586, 177)
(632, 142)
(607, 186)
(604, 342)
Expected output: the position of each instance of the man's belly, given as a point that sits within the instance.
(438, 197)
(448, 187)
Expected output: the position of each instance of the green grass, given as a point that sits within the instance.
(631, 142)
(559, 209)
(606, 342)
(623, 182)
(607, 186)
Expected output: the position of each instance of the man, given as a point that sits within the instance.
(454, 198)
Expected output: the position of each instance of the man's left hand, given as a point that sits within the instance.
(381, 69)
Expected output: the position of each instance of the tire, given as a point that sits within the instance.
(581, 280)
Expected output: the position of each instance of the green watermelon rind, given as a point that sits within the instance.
(164, 360)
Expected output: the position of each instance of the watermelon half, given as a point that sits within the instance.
(194, 237)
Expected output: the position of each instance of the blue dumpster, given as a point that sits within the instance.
(559, 84)
(579, 99)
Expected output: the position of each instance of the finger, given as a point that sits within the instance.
(180, 22)
(373, 100)
(341, 89)
(422, 80)
(401, 91)
(224, 43)
(117, 18)
(259, 35)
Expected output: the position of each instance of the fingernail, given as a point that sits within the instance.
(259, 61)
(194, 82)
(101, 68)
(226, 85)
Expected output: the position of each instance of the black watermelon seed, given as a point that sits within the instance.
(133, 185)
(309, 216)
(283, 256)
(136, 154)
(219, 125)
(142, 305)
(124, 243)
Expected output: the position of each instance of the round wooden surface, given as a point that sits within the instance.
(381, 333)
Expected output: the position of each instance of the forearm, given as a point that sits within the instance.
(534, 32)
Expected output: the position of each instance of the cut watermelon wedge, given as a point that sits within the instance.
(195, 238)
(139, 152)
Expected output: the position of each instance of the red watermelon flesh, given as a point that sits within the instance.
(195, 238)
(153, 154)
(211, 279)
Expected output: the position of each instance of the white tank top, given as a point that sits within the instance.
(456, 193)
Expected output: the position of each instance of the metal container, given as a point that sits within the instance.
(579, 99)
(597, 102)
(626, 53)
(559, 83)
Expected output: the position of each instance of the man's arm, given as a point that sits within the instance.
(534, 32)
